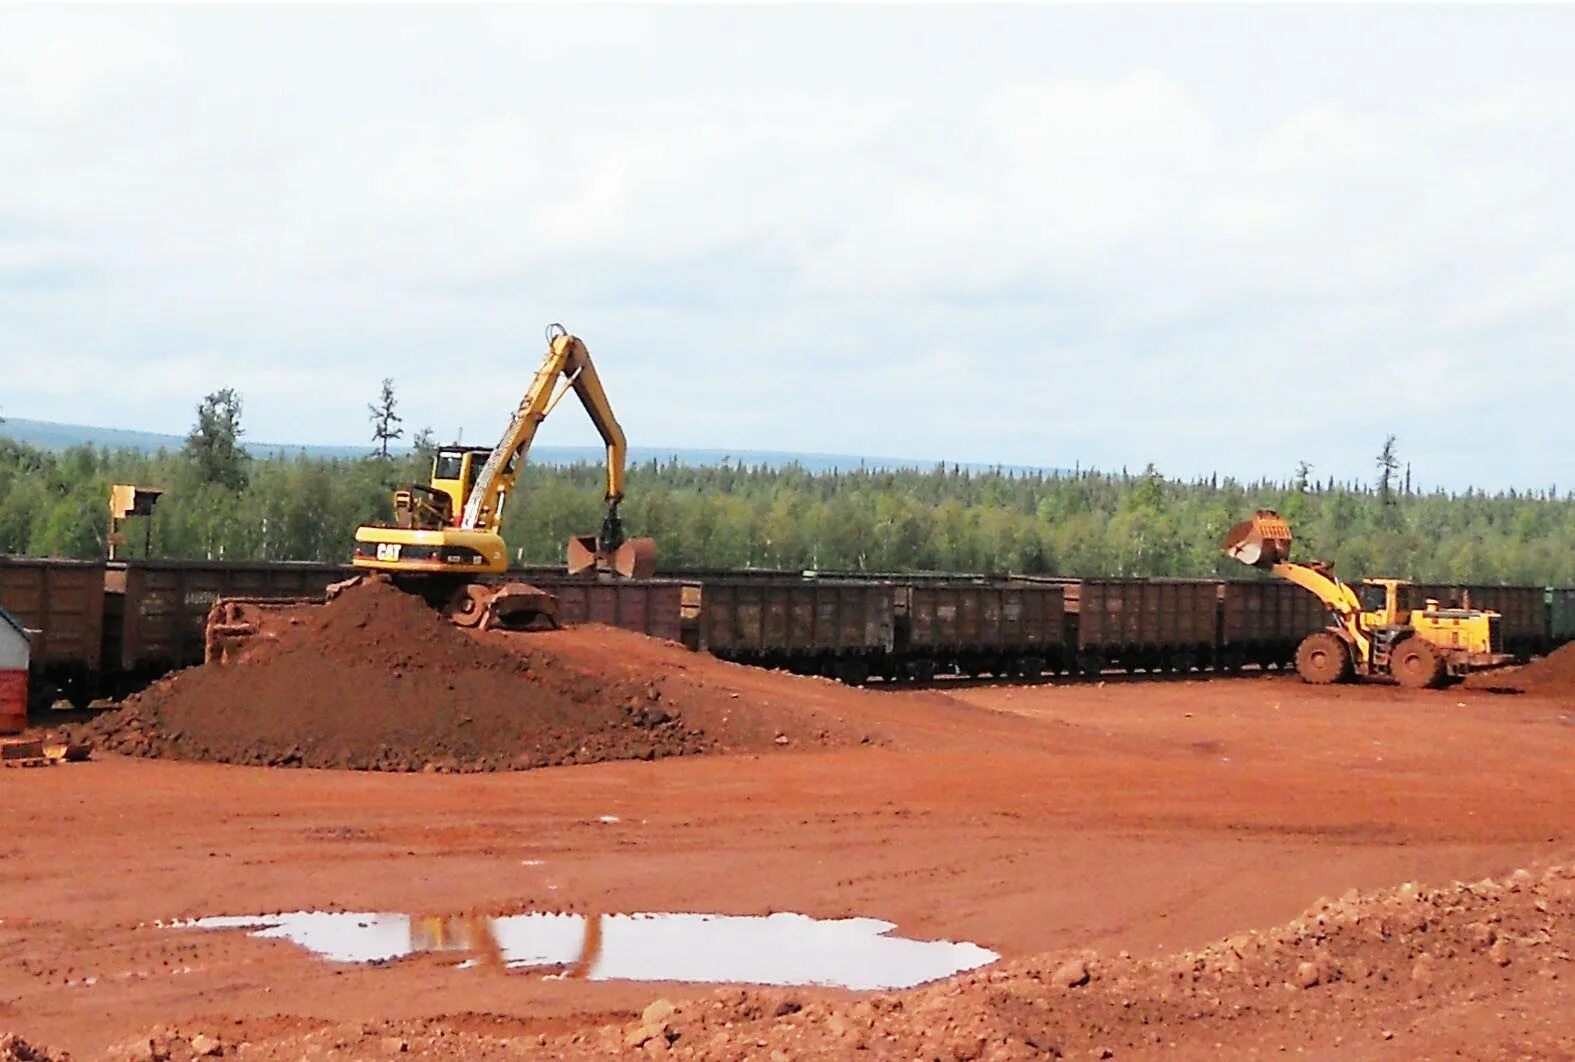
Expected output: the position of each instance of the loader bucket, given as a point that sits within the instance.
(1261, 542)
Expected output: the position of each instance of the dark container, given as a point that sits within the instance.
(963, 617)
(166, 602)
(63, 600)
(1561, 615)
(1120, 615)
(1267, 620)
(746, 618)
(660, 608)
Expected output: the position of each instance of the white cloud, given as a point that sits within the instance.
(1034, 236)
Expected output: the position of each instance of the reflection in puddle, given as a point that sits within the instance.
(778, 949)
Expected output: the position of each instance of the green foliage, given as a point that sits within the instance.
(1388, 465)
(214, 444)
(940, 519)
(385, 422)
(424, 447)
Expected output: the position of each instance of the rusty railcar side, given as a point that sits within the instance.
(1262, 621)
(63, 601)
(1147, 624)
(166, 603)
(808, 625)
(660, 608)
(999, 629)
(1561, 615)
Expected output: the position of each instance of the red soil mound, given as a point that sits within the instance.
(375, 680)
(1553, 674)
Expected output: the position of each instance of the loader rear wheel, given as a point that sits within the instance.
(1416, 664)
(1323, 659)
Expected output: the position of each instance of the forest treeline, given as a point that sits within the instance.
(220, 503)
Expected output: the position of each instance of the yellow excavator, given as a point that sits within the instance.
(445, 537)
(1377, 631)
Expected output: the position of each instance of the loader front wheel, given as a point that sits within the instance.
(1415, 663)
(1323, 659)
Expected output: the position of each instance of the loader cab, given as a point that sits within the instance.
(1385, 602)
(454, 471)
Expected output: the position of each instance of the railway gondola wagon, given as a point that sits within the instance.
(63, 601)
(810, 626)
(160, 608)
(1145, 624)
(1002, 630)
(1263, 621)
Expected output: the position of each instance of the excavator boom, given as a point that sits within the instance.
(569, 360)
(566, 357)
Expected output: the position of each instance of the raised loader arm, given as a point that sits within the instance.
(1265, 542)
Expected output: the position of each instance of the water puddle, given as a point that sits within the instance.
(777, 949)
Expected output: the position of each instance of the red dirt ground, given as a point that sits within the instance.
(1146, 817)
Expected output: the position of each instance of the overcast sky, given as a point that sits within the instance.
(1213, 238)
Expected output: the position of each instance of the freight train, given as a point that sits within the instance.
(106, 628)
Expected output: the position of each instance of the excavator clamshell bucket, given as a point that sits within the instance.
(636, 558)
(1261, 542)
(582, 554)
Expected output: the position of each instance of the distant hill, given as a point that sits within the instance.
(47, 435)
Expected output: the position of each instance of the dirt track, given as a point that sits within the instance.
(1138, 816)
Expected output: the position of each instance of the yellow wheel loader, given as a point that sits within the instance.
(445, 535)
(1377, 630)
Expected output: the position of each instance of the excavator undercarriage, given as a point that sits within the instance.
(236, 623)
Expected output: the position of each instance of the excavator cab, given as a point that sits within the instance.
(435, 506)
(454, 472)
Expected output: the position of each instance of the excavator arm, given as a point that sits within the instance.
(569, 360)
(566, 357)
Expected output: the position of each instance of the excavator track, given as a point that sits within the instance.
(235, 623)
(514, 606)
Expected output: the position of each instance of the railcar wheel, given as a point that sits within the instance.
(853, 671)
(1323, 659)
